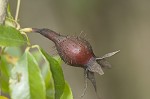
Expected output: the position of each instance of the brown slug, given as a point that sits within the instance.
(76, 51)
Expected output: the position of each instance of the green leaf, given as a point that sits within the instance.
(67, 92)
(26, 81)
(45, 70)
(9, 13)
(5, 73)
(46, 74)
(13, 51)
(38, 56)
(9, 21)
(44, 67)
(9, 36)
(49, 83)
(57, 74)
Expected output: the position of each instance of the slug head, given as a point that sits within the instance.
(95, 65)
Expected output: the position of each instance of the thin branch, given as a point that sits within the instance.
(17, 10)
(3, 8)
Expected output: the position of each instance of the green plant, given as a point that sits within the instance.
(28, 74)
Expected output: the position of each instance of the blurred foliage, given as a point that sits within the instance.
(2, 97)
(25, 74)
(109, 25)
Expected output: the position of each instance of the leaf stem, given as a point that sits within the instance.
(26, 30)
(17, 10)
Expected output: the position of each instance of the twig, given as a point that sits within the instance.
(3, 8)
(17, 10)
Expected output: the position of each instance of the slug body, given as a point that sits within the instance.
(76, 51)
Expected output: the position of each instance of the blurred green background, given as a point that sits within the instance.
(109, 25)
